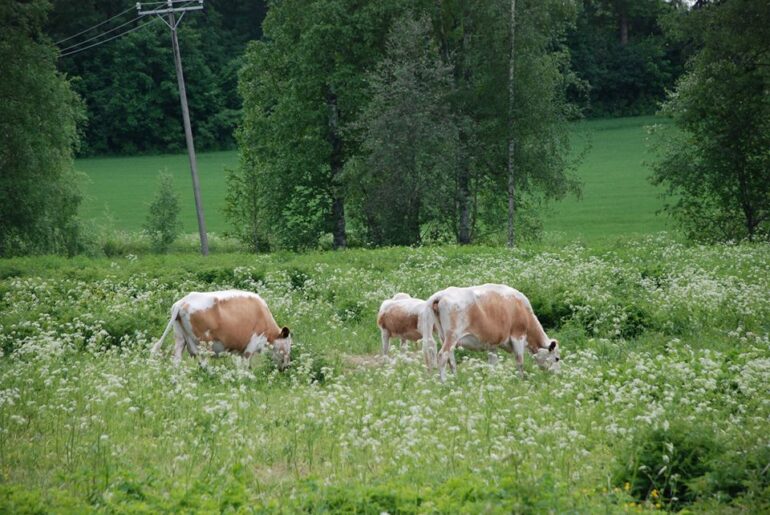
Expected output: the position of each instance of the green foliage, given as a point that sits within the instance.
(162, 224)
(406, 177)
(630, 77)
(39, 113)
(739, 473)
(716, 169)
(23, 500)
(301, 85)
(243, 208)
(666, 461)
(426, 134)
(678, 465)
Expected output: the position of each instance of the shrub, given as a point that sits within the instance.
(216, 276)
(664, 463)
(163, 225)
(298, 278)
(736, 473)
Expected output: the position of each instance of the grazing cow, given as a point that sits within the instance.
(232, 320)
(399, 317)
(487, 318)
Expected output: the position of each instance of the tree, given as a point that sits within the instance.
(499, 133)
(406, 177)
(244, 208)
(162, 224)
(620, 48)
(301, 85)
(39, 113)
(716, 167)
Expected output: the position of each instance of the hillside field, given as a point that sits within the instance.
(617, 199)
(662, 402)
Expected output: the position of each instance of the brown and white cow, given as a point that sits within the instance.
(399, 317)
(487, 318)
(232, 320)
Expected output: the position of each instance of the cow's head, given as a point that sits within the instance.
(548, 358)
(282, 349)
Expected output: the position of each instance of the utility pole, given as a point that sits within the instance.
(511, 142)
(170, 8)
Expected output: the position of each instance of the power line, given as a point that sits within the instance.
(108, 39)
(92, 28)
(64, 50)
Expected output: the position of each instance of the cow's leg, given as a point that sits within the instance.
(447, 351)
(244, 361)
(404, 345)
(429, 351)
(192, 348)
(385, 335)
(179, 342)
(492, 357)
(518, 350)
(452, 361)
(257, 344)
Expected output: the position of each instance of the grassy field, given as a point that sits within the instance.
(662, 402)
(617, 199)
(124, 187)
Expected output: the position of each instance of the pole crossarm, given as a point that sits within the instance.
(169, 8)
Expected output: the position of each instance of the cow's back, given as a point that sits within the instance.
(492, 313)
(230, 317)
(400, 317)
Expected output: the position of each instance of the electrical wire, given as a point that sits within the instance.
(69, 50)
(92, 28)
(110, 39)
(64, 50)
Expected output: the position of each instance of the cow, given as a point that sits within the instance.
(399, 317)
(486, 318)
(232, 320)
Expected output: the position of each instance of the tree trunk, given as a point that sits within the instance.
(338, 198)
(463, 194)
(623, 28)
(340, 240)
(464, 174)
(750, 219)
(511, 148)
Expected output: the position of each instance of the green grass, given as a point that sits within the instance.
(617, 198)
(124, 186)
(661, 403)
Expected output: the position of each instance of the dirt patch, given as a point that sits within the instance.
(359, 361)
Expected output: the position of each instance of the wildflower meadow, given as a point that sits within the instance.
(662, 402)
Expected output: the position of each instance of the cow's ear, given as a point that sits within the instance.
(552, 346)
(285, 332)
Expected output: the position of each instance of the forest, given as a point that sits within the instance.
(617, 49)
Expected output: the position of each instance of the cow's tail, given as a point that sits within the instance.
(174, 314)
(429, 320)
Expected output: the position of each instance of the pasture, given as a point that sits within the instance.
(617, 198)
(663, 400)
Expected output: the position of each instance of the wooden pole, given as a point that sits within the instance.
(189, 137)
